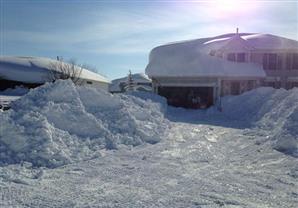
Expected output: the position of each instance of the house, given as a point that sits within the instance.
(35, 71)
(197, 73)
(140, 80)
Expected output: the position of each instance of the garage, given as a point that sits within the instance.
(188, 97)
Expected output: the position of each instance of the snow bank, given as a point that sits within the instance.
(17, 91)
(60, 123)
(275, 110)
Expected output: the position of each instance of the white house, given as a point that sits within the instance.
(141, 83)
(196, 73)
(34, 71)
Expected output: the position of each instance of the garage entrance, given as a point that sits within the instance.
(188, 97)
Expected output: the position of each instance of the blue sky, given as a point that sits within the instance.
(117, 36)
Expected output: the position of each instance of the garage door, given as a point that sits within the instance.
(188, 97)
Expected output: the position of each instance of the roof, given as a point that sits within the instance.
(137, 78)
(255, 42)
(36, 69)
(190, 58)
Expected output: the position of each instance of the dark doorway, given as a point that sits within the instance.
(188, 97)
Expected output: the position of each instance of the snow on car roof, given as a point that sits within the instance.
(36, 69)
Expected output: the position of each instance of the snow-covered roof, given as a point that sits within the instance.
(137, 78)
(253, 42)
(191, 58)
(36, 69)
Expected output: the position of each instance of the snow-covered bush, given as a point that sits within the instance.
(60, 123)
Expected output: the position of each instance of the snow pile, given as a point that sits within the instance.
(17, 91)
(275, 110)
(60, 123)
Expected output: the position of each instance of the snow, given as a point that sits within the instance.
(191, 62)
(36, 69)
(255, 41)
(275, 110)
(5, 100)
(17, 91)
(199, 159)
(137, 78)
(191, 58)
(59, 123)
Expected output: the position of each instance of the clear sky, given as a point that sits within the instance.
(117, 36)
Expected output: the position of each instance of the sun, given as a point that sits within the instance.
(228, 5)
(232, 7)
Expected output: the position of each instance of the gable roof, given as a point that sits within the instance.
(36, 69)
(253, 42)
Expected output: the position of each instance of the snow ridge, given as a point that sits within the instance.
(272, 110)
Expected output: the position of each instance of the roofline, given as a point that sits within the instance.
(202, 77)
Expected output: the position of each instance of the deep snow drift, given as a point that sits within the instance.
(211, 159)
(60, 123)
(273, 110)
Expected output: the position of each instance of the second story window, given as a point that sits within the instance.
(236, 57)
(292, 61)
(295, 61)
(271, 61)
(240, 57)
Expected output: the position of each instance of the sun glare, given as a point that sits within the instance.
(232, 7)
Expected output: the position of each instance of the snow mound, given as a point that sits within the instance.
(17, 91)
(59, 123)
(275, 110)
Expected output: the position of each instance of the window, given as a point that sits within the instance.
(295, 61)
(292, 61)
(270, 61)
(240, 57)
(288, 62)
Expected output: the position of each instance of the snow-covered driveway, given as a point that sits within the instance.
(55, 150)
(196, 165)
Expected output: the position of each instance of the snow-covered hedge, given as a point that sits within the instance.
(60, 123)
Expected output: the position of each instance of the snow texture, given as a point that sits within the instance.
(191, 58)
(60, 123)
(274, 110)
(36, 69)
(17, 91)
(205, 159)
